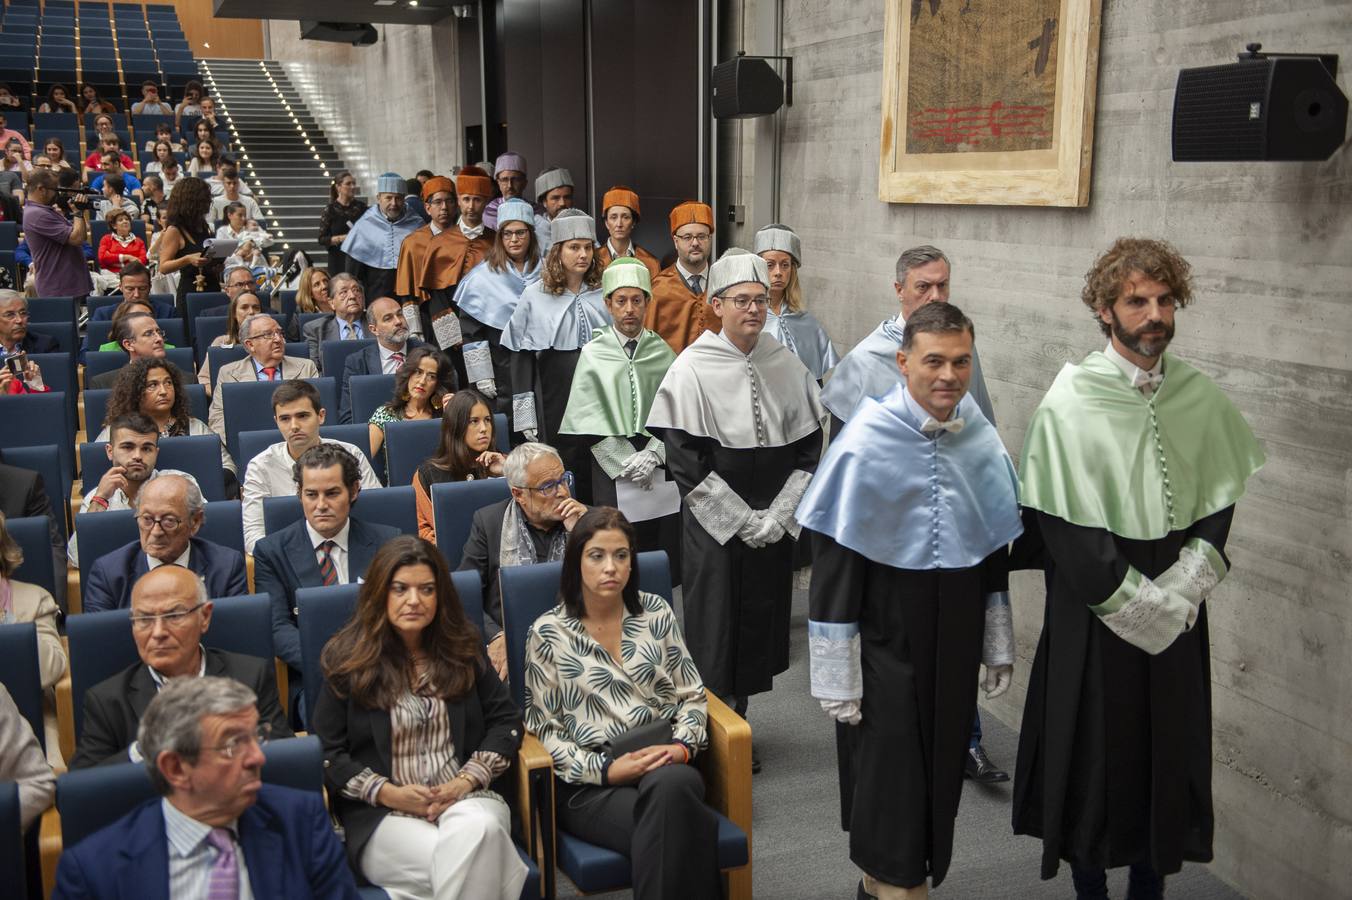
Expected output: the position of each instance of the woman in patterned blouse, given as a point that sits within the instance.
(415, 728)
(608, 659)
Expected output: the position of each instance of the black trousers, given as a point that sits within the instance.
(660, 822)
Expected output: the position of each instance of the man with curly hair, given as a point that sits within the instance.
(1131, 470)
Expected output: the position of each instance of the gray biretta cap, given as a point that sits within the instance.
(735, 266)
(573, 225)
(552, 178)
(782, 238)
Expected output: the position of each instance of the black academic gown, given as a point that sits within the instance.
(376, 282)
(737, 598)
(901, 767)
(654, 534)
(1114, 760)
(550, 373)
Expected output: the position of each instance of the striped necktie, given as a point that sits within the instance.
(327, 570)
(223, 882)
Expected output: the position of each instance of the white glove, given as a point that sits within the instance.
(488, 387)
(640, 468)
(531, 434)
(750, 528)
(770, 531)
(998, 680)
(846, 711)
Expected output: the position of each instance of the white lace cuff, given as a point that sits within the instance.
(523, 411)
(834, 662)
(478, 361)
(717, 508)
(786, 502)
(611, 455)
(997, 646)
(446, 329)
(413, 318)
(658, 449)
(1195, 575)
(1144, 614)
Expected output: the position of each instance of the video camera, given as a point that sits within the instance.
(74, 198)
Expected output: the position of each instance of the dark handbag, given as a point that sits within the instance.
(637, 738)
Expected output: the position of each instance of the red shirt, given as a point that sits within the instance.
(95, 160)
(111, 249)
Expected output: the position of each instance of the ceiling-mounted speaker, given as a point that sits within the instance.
(358, 34)
(1264, 107)
(745, 87)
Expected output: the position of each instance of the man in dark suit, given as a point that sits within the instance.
(327, 546)
(215, 823)
(141, 337)
(170, 613)
(169, 513)
(14, 334)
(21, 495)
(343, 324)
(386, 323)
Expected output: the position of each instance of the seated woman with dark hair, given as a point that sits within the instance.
(421, 387)
(465, 453)
(607, 666)
(415, 727)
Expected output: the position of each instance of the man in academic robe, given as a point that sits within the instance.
(450, 256)
(510, 175)
(616, 378)
(679, 311)
(1132, 466)
(553, 194)
(740, 418)
(438, 197)
(372, 246)
(620, 213)
(912, 511)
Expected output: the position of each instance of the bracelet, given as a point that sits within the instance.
(95, 498)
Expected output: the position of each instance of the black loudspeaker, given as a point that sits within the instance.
(1260, 108)
(746, 87)
(355, 33)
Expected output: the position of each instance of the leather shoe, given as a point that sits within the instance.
(980, 769)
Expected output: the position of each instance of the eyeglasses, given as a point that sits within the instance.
(168, 523)
(744, 302)
(153, 332)
(13, 315)
(267, 336)
(256, 738)
(692, 238)
(550, 488)
(515, 234)
(174, 619)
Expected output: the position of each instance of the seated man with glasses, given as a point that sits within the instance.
(14, 334)
(265, 341)
(215, 830)
(169, 513)
(169, 614)
(529, 527)
(142, 338)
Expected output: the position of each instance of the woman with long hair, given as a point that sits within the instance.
(240, 307)
(621, 756)
(312, 292)
(206, 158)
(55, 151)
(92, 102)
(164, 152)
(464, 453)
(787, 321)
(181, 248)
(203, 131)
(415, 727)
(154, 388)
(58, 101)
(421, 387)
(339, 216)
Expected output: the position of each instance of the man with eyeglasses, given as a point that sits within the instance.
(679, 311)
(169, 511)
(216, 831)
(265, 342)
(529, 527)
(14, 334)
(740, 417)
(142, 338)
(56, 241)
(344, 323)
(170, 614)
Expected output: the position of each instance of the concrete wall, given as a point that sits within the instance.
(1271, 247)
(390, 107)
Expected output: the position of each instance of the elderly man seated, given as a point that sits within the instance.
(170, 612)
(265, 342)
(169, 513)
(14, 334)
(216, 830)
(344, 323)
(527, 528)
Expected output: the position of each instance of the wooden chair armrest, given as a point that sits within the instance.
(532, 760)
(249, 570)
(283, 676)
(49, 848)
(726, 765)
(65, 717)
(74, 602)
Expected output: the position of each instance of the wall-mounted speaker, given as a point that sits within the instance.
(357, 34)
(745, 87)
(1261, 108)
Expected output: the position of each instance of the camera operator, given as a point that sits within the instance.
(55, 233)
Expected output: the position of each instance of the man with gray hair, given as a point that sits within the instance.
(265, 341)
(372, 246)
(216, 830)
(14, 334)
(170, 614)
(527, 528)
(169, 511)
(345, 323)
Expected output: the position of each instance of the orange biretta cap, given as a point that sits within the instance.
(473, 180)
(691, 212)
(437, 183)
(620, 195)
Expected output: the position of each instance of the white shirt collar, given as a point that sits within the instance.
(686, 273)
(160, 679)
(1128, 367)
(920, 413)
(152, 563)
(435, 230)
(472, 233)
(339, 539)
(615, 254)
(185, 833)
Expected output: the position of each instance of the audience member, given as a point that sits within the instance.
(141, 337)
(208, 107)
(553, 194)
(155, 389)
(413, 722)
(110, 147)
(232, 192)
(250, 238)
(328, 546)
(386, 323)
(58, 101)
(55, 241)
(8, 100)
(120, 245)
(190, 105)
(297, 410)
(151, 104)
(55, 151)
(14, 334)
(169, 513)
(14, 165)
(8, 134)
(23, 495)
(120, 312)
(132, 445)
(337, 219)
(181, 249)
(92, 102)
(112, 165)
(216, 830)
(265, 341)
(678, 310)
(529, 527)
(115, 197)
(638, 796)
(163, 151)
(620, 213)
(134, 284)
(22, 762)
(372, 243)
(242, 305)
(312, 293)
(421, 387)
(205, 160)
(464, 453)
(344, 323)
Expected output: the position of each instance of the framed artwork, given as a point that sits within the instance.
(989, 101)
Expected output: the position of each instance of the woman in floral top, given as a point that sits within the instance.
(608, 659)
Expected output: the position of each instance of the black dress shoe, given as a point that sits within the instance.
(755, 761)
(980, 769)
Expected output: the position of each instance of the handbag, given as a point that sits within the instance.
(637, 738)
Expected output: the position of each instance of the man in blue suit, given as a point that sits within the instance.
(215, 823)
(169, 512)
(327, 546)
(386, 323)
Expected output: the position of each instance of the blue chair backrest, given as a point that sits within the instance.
(44, 421)
(454, 504)
(64, 333)
(248, 407)
(368, 393)
(199, 455)
(393, 506)
(9, 239)
(408, 445)
(303, 319)
(20, 675)
(218, 356)
(333, 354)
(99, 332)
(252, 443)
(13, 853)
(197, 302)
(50, 309)
(205, 330)
(45, 459)
(103, 532)
(530, 591)
(99, 361)
(100, 228)
(96, 407)
(58, 373)
(33, 535)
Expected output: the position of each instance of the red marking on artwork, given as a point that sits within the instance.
(973, 124)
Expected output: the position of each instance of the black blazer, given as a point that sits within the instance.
(367, 362)
(113, 707)
(34, 342)
(483, 548)
(356, 738)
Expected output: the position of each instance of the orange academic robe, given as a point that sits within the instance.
(412, 253)
(676, 314)
(643, 256)
(448, 257)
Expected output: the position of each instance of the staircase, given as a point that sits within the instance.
(281, 150)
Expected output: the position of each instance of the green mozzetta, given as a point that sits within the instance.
(611, 393)
(1101, 455)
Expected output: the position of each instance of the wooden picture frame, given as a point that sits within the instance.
(998, 109)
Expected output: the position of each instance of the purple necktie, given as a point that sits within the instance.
(223, 883)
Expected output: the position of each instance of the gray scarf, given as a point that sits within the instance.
(517, 547)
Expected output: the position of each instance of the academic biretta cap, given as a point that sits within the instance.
(782, 238)
(391, 183)
(550, 179)
(487, 166)
(473, 180)
(516, 210)
(510, 162)
(625, 271)
(436, 184)
(691, 212)
(572, 225)
(736, 266)
(620, 195)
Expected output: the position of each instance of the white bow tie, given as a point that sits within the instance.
(932, 425)
(1142, 378)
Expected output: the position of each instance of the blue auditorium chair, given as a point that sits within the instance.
(45, 459)
(407, 445)
(248, 406)
(333, 354)
(454, 504)
(252, 443)
(199, 455)
(20, 673)
(369, 393)
(99, 361)
(65, 334)
(13, 847)
(33, 535)
(393, 506)
(51, 309)
(44, 421)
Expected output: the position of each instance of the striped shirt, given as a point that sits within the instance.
(191, 857)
